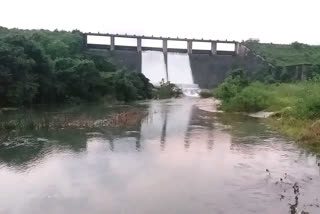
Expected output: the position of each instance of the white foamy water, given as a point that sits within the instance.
(179, 70)
(190, 90)
(180, 73)
(153, 66)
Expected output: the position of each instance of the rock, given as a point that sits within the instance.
(8, 109)
(10, 125)
(94, 134)
(42, 140)
(282, 112)
(261, 114)
(99, 123)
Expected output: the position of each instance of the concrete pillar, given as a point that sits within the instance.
(189, 44)
(303, 72)
(213, 48)
(139, 45)
(112, 43)
(241, 50)
(85, 40)
(165, 54)
(298, 72)
(236, 48)
(140, 61)
(165, 46)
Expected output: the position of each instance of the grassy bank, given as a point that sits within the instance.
(296, 106)
(286, 54)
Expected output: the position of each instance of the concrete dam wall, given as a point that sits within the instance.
(208, 71)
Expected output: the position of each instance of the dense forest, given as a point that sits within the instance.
(43, 67)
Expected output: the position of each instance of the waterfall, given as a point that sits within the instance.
(180, 73)
(179, 70)
(153, 66)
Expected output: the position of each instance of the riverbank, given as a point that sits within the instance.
(296, 106)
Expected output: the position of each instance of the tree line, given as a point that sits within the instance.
(44, 67)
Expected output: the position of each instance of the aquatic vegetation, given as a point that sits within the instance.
(63, 121)
(126, 118)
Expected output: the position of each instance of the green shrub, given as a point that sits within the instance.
(129, 86)
(250, 99)
(167, 90)
(235, 82)
(308, 107)
(297, 45)
(206, 93)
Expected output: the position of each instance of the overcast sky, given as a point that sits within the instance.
(278, 21)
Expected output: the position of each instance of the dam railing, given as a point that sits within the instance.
(239, 49)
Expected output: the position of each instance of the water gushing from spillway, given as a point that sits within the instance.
(180, 73)
(153, 66)
(179, 70)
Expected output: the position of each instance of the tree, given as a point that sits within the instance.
(18, 84)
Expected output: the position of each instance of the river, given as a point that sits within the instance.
(178, 156)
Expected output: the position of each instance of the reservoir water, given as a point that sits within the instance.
(176, 156)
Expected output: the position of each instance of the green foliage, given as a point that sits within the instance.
(82, 80)
(206, 93)
(307, 105)
(40, 66)
(303, 98)
(102, 63)
(285, 55)
(238, 95)
(297, 45)
(253, 41)
(250, 99)
(21, 64)
(233, 85)
(167, 90)
(130, 86)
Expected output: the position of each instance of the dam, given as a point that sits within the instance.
(185, 64)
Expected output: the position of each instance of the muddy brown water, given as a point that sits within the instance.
(182, 157)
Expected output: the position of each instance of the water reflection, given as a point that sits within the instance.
(177, 159)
